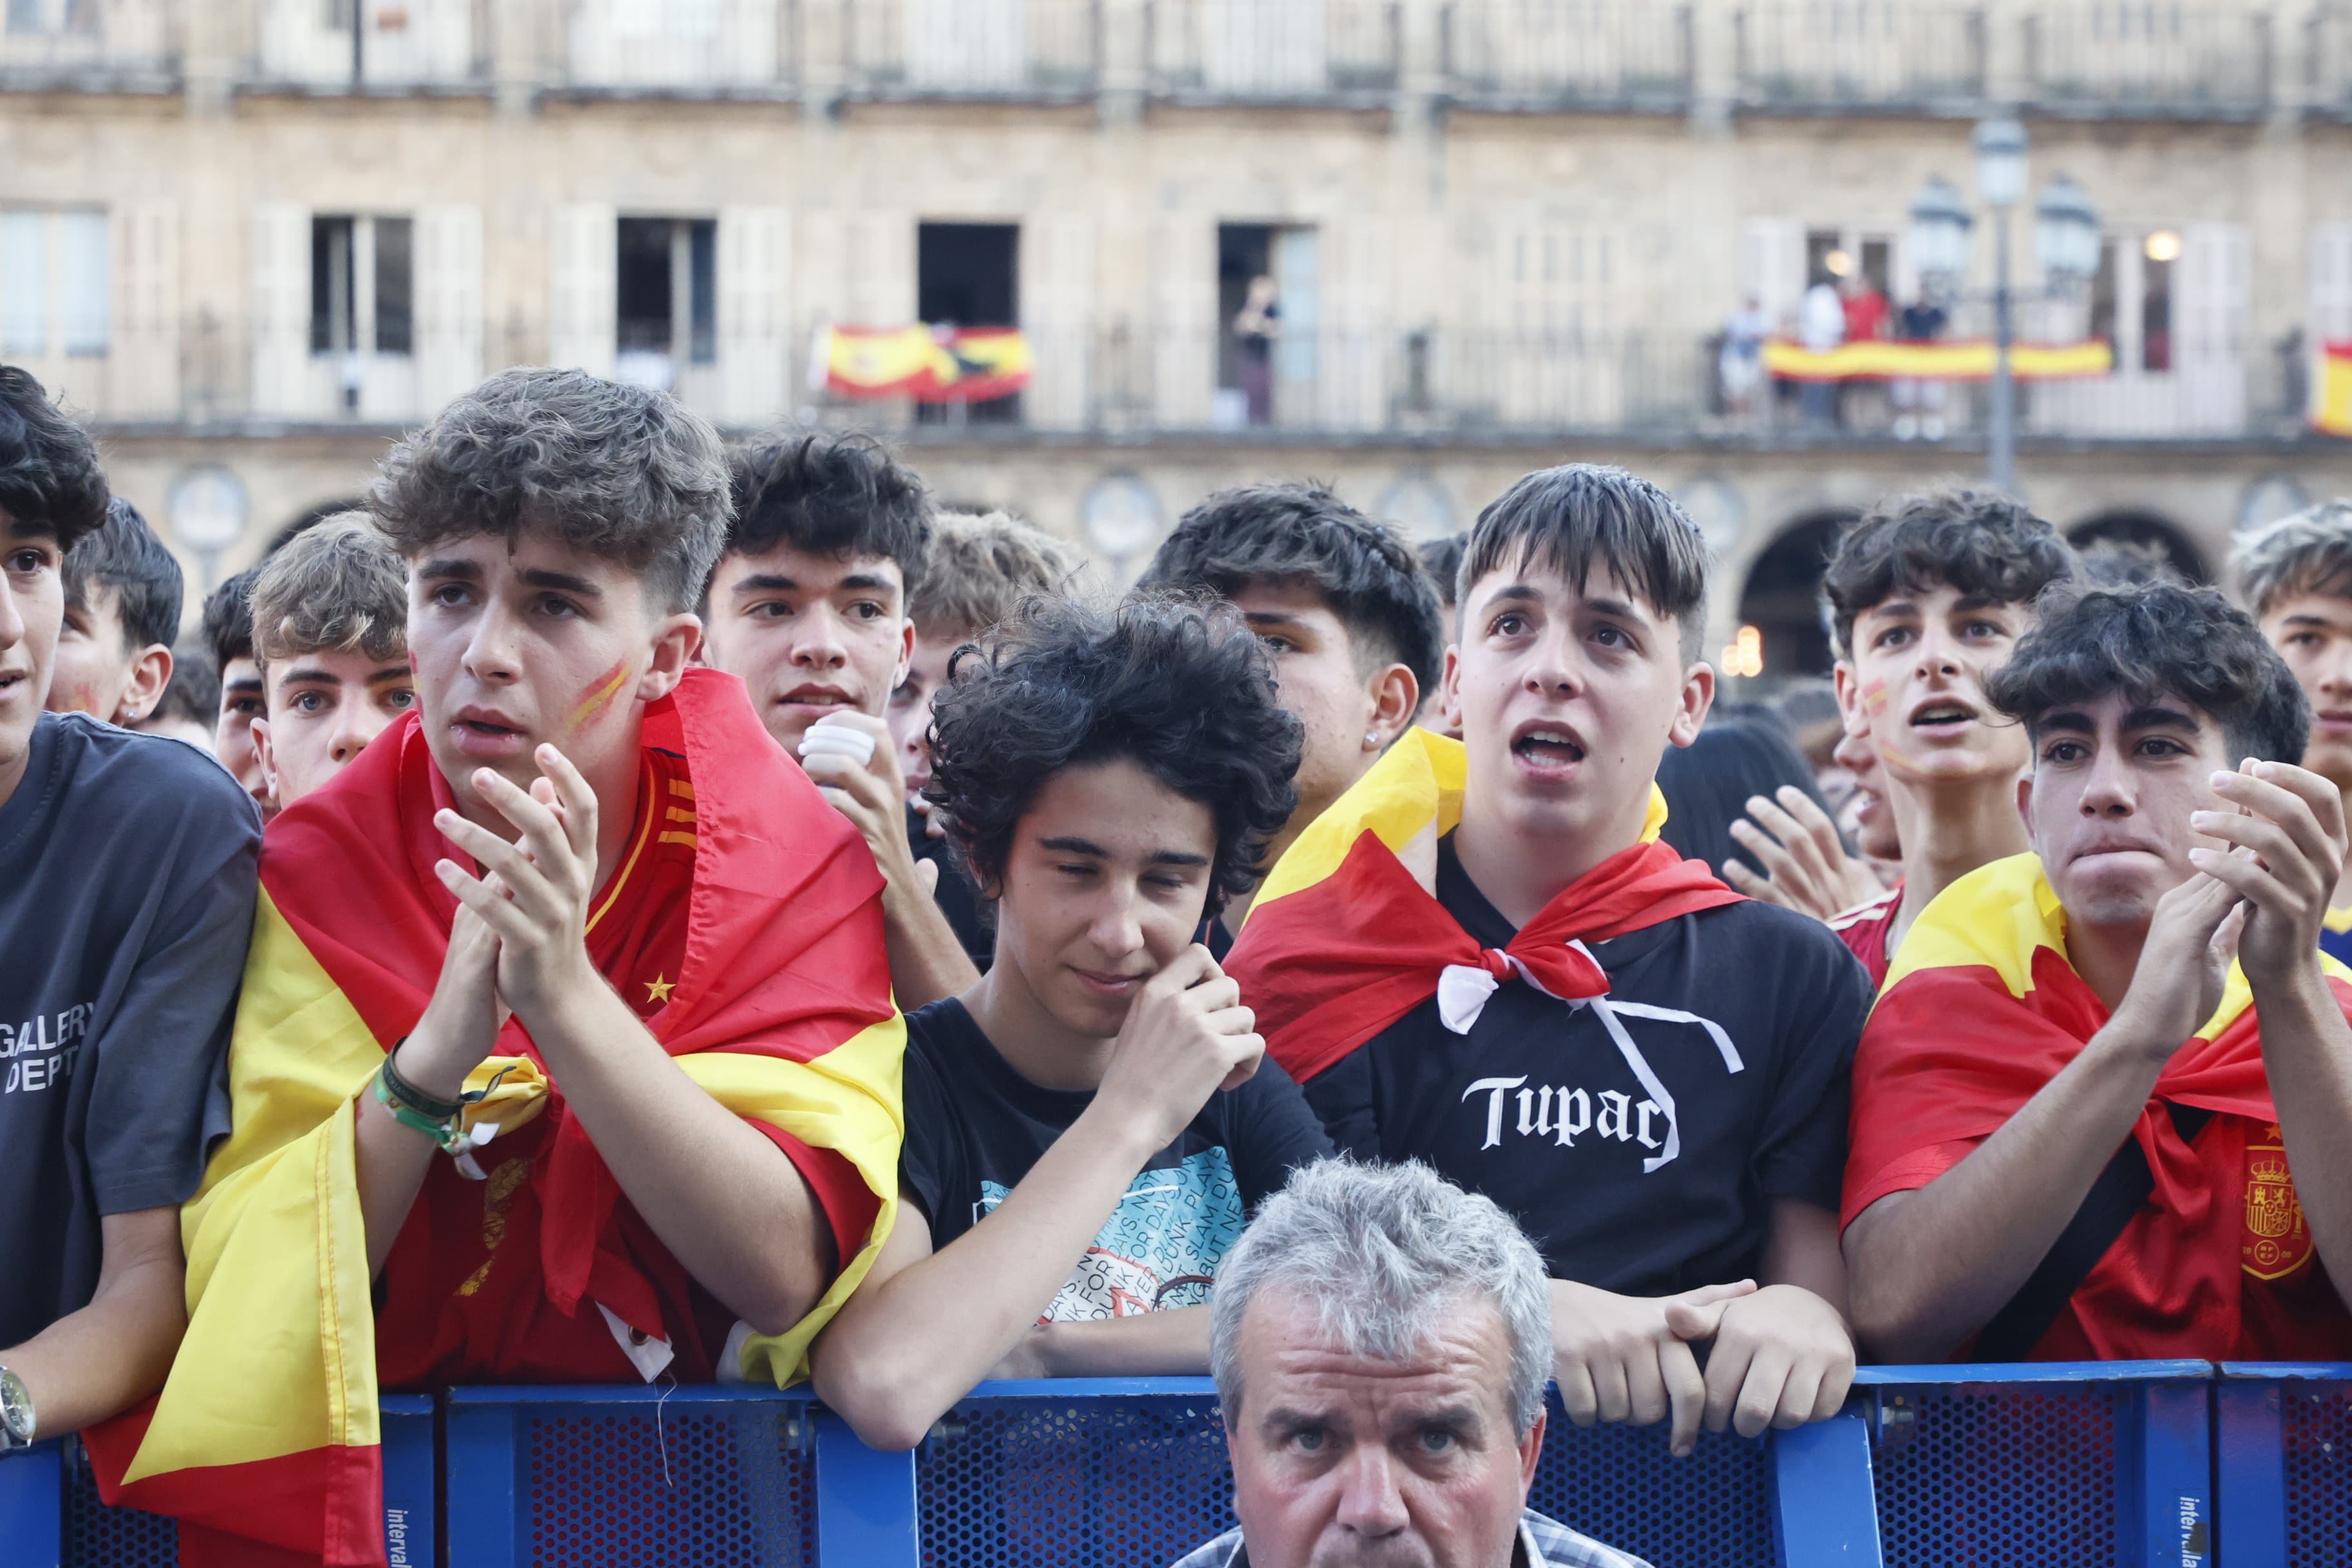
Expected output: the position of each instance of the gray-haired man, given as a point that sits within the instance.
(1381, 1340)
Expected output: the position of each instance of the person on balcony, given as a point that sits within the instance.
(1381, 1340)
(2296, 577)
(565, 1051)
(1256, 329)
(1927, 596)
(1482, 957)
(126, 898)
(2103, 1109)
(1348, 613)
(809, 606)
(1087, 1125)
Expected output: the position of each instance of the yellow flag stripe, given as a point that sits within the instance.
(1418, 784)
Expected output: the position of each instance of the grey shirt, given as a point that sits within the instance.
(1542, 1543)
(127, 886)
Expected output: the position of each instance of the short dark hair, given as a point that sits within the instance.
(1578, 516)
(124, 555)
(48, 465)
(1184, 691)
(1442, 559)
(228, 620)
(830, 493)
(1977, 542)
(1303, 533)
(2150, 641)
(193, 692)
(623, 473)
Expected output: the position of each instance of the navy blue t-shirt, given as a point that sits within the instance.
(974, 1127)
(1639, 1145)
(127, 886)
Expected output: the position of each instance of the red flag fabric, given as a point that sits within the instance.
(1980, 1010)
(1328, 962)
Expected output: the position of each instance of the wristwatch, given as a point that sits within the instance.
(15, 1412)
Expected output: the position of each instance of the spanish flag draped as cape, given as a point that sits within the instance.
(1347, 935)
(264, 1440)
(1980, 1010)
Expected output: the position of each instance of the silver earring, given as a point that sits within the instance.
(1371, 739)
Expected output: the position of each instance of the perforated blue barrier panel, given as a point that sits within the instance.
(88, 1534)
(1027, 1474)
(2285, 1459)
(2041, 1467)
(630, 1478)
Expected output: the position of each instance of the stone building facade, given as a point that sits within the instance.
(253, 239)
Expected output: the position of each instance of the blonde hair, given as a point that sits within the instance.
(339, 585)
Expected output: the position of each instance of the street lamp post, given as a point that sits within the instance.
(2065, 243)
(2000, 180)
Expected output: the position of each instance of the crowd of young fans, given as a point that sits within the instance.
(720, 917)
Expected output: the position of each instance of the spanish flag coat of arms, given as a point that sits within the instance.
(1981, 1009)
(264, 1441)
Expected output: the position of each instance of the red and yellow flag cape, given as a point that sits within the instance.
(266, 1429)
(1981, 1009)
(1347, 935)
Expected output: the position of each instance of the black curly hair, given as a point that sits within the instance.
(1364, 570)
(1978, 542)
(2154, 640)
(1184, 690)
(48, 466)
(829, 493)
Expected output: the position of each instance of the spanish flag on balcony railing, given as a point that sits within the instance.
(1347, 936)
(930, 365)
(1971, 358)
(264, 1441)
(2331, 403)
(1981, 1009)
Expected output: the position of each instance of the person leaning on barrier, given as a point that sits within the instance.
(566, 1051)
(1087, 1125)
(126, 900)
(1482, 956)
(1380, 1340)
(2080, 1130)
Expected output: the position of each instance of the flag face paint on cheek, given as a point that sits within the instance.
(597, 698)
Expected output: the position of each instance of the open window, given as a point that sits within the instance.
(1268, 284)
(666, 304)
(968, 275)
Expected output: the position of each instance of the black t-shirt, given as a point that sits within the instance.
(956, 895)
(974, 1127)
(1643, 1163)
(127, 886)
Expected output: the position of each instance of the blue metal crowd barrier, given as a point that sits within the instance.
(2122, 1464)
(51, 1517)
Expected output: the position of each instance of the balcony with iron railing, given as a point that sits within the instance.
(2149, 59)
(1273, 51)
(1123, 382)
(1023, 51)
(708, 49)
(113, 45)
(1840, 56)
(1578, 55)
(369, 46)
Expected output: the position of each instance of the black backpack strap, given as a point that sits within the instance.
(2107, 1208)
